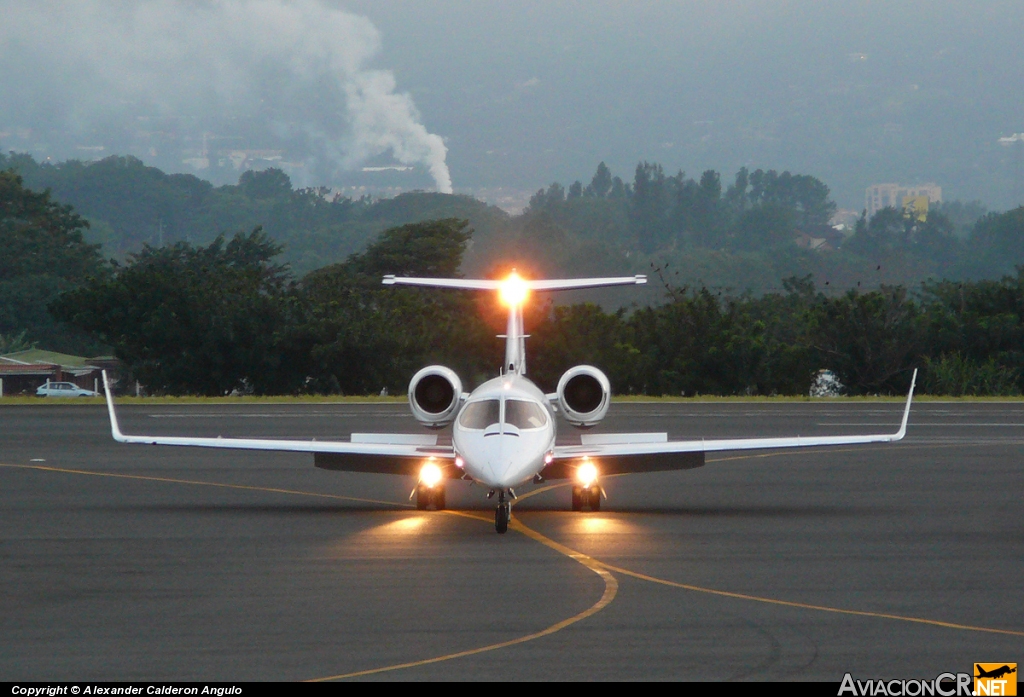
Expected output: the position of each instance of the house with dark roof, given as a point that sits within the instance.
(22, 372)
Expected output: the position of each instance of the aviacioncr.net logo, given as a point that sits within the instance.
(944, 685)
(995, 679)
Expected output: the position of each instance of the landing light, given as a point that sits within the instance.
(459, 462)
(586, 473)
(430, 475)
(513, 290)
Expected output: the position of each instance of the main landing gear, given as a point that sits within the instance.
(502, 514)
(586, 497)
(427, 496)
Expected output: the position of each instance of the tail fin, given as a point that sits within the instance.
(514, 291)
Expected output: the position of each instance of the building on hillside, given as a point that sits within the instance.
(899, 196)
(819, 238)
(22, 372)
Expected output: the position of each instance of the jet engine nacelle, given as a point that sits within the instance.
(434, 396)
(584, 394)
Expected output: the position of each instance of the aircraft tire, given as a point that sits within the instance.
(594, 498)
(577, 498)
(439, 497)
(501, 515)
(422, 497)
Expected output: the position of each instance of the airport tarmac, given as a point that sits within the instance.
(142, 563)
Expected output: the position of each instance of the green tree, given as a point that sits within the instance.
(42, 254)
(366, 336)
(601, 185)
(872, 340)
(198, 320)
(266, 184)
(650, 206)
(999, 240)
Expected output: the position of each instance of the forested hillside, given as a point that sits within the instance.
(296, 305)
(130, 205)
(741, 234)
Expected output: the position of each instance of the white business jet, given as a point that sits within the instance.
(503, 432)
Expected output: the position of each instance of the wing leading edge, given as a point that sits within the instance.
(645, 452)
(385, 453)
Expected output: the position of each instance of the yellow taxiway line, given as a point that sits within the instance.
(611, 585)
(611, 588)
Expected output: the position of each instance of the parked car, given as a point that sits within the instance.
(64, 389)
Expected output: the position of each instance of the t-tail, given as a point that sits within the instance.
(513, 291)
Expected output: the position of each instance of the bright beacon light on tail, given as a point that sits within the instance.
(513, 290)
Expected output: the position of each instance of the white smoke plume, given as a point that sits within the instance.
(302, 67)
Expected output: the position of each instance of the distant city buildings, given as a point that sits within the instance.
(899, 196)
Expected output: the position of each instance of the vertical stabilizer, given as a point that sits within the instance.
(515, 342)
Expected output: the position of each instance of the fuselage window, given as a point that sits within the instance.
(480, 415)
(522, 414)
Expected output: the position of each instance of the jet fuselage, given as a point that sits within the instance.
(504, 431)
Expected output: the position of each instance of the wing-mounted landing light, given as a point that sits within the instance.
(429, 489)
(586, 473)
(587, 493)
(430, 474)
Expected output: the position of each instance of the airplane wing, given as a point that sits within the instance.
(538, 285)
(384, 453)
(623, 453)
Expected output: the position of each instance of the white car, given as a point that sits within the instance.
(64, 389)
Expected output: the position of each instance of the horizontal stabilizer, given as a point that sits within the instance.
(534, 285)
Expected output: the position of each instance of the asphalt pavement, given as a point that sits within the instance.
(141, 563)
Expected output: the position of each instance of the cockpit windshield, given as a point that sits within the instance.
(523, 414)
(480, 415)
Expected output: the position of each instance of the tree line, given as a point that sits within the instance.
(231, 313)
(209, 320)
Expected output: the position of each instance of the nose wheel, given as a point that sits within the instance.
(502, 514)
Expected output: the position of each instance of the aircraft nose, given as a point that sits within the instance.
(501, 458)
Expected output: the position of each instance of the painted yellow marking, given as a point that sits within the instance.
(197, 482)
(602, 569)
(808, 606)
(611, 585)
(611, 588)
(543, 489)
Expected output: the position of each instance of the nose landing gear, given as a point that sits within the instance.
(502, 514)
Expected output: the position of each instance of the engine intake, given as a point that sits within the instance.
(584, 394)
(434, 396)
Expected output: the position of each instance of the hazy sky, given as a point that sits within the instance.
(524, 93)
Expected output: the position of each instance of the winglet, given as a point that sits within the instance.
(906, 412)
(115, 430)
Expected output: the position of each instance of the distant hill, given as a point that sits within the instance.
(129, 204)
(743, 235)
